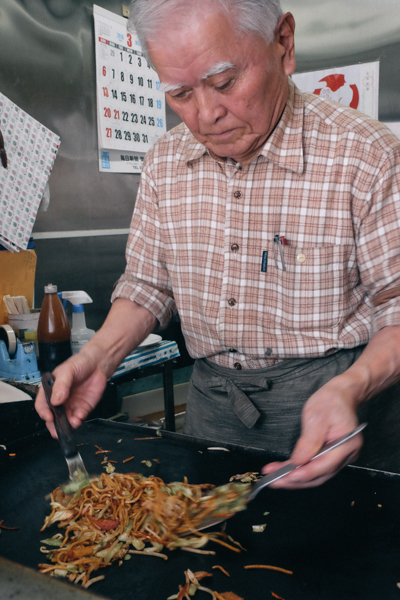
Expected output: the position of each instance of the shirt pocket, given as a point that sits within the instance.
(315, 292)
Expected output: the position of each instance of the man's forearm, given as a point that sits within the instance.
(376, 369)
(332, 411)
(126, 326)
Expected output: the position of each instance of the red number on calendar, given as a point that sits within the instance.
(129, 38)
(108, 132)
(105, 92)
(104, 71)
(107, 112)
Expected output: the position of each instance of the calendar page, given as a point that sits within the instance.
(130, 106)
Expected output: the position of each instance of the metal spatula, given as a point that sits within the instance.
(77, 472)
(279, 473)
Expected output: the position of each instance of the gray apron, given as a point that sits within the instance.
(261, 408)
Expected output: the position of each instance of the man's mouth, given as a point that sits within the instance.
(221, 135)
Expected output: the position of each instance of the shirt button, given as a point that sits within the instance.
(301, 258)
(268, 351)
(234, 247)
(238, 366)
(237, 194)
(232, 350)
(231, 301)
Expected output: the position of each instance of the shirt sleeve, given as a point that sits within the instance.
(379, 245)
(146, 280)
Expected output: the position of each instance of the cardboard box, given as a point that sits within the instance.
(17, 277)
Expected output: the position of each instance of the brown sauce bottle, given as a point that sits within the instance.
(54, 331)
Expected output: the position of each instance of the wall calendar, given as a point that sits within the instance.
(130, 106)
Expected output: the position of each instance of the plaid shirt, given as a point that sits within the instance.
(327, 180)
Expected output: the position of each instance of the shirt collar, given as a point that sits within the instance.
(194, 150)
(284, 146)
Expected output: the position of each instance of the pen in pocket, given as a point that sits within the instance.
(281, 241)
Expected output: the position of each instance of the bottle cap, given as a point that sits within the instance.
(77, 308)
(50, 289)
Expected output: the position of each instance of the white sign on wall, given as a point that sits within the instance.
(130, 106)
(31, 151)
(356, 86)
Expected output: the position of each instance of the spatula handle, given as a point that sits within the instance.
(63, 428)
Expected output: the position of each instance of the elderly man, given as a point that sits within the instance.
(268, 219)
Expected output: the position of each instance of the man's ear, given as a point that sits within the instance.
(284, 35)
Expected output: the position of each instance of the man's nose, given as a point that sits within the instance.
(209, 107)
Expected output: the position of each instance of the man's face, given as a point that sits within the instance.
(228, 88)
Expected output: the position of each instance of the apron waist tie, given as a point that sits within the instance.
(240, 402)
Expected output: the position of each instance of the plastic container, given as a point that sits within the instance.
(80, 334)
(54, 331)
(28, 321)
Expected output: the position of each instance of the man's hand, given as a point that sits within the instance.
(79, 382)
(327, 415)
(332, 412)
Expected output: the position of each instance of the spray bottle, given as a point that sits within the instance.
(80, 334)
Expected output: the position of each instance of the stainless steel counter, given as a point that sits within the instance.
(17, 581)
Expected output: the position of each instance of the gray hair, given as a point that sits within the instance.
(249, 16)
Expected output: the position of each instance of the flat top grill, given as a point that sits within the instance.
(341, 540)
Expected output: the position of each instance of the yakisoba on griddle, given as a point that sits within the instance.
(118, 515)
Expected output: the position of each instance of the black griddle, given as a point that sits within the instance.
(341, 540)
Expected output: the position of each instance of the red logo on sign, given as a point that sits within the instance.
(337, 89)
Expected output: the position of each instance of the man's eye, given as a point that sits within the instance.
(224, 86)
(181, 94)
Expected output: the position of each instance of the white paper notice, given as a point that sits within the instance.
(130, 107)
(356, 86)
(31, 150)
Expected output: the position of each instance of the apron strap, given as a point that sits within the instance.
(241, 404)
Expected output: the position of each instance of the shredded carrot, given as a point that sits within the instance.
(268, 567)
(221, 569)
(226, 596)
(128, 459)
(100, 450)
(12, 455)
(148, 438)
(225, 544)
(237, 543)
(8, 528)
(276, 596)
(112, 461)
(182, 591)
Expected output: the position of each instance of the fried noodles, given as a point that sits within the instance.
(121, 514)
